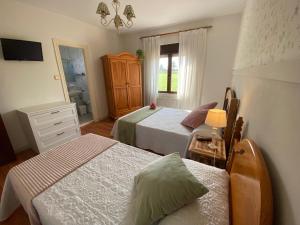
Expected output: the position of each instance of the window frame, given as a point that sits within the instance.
(170, 51)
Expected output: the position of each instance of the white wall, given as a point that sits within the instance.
(29, 83)
(221, 48)
(266, 78)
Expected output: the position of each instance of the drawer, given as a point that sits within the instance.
(54, 139)
(56, 125)
(54, 114)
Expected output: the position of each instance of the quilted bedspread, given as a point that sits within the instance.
(98, 193)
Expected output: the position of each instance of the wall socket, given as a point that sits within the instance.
(56, 77)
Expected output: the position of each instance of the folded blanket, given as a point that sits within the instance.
(32, 177)
(127, 125)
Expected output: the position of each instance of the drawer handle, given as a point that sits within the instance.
(55, 112)
(58, 123)
(60, 133)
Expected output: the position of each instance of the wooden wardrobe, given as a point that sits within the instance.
(123, 82)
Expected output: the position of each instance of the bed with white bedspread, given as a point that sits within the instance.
(98, 192)
(162, 132)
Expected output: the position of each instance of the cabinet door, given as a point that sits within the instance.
(134, 84)
(119, 80)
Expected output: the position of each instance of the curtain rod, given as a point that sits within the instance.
(176, 32)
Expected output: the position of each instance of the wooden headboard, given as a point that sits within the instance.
(250, 186)
(231, 106)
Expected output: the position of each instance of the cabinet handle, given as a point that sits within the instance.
(58, 123)
(60, 133)
(55, 112)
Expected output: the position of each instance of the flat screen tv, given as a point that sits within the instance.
(21, 50)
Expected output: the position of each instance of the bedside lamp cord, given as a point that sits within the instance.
(215, 152)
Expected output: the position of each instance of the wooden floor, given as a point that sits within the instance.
(102, 128)
(19, 217)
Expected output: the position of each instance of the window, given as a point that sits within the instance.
(168, 68)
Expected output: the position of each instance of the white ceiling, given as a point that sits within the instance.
(149, 13)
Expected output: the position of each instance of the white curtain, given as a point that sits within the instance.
(192, 56)
(151, 48)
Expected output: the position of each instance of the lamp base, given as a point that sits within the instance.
(212, 146)
(214, 135)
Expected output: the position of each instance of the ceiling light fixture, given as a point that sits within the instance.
(118, 21)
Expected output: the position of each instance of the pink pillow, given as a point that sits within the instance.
(211, 105)
(198, 115)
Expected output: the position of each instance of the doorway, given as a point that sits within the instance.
(73, 71)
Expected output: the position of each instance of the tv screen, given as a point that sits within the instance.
(21, 50)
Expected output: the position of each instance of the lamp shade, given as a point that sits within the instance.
(216, 118)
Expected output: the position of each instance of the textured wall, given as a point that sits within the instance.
(267, 80)
(270, 33)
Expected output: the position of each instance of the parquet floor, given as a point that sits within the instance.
(102, 128)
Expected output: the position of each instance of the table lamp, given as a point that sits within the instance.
(216, 118)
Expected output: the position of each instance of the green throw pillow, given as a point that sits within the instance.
(161, 188)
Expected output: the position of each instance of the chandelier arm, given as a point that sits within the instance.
(116, 6)
(103, 21)
(128, 24)
(112, 19)
(106, 23)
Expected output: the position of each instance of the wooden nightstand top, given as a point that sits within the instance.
(201, 148)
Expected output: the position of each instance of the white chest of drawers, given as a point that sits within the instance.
(50, 125)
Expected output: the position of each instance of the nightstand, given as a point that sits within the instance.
(199, 151)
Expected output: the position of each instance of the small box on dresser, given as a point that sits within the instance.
(49, 125)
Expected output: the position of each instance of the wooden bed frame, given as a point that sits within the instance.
(231, 106)
(250, 186)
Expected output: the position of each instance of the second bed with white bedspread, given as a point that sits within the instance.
(163, 133)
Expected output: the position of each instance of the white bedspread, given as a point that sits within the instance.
(162, 132)
(98, 192)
